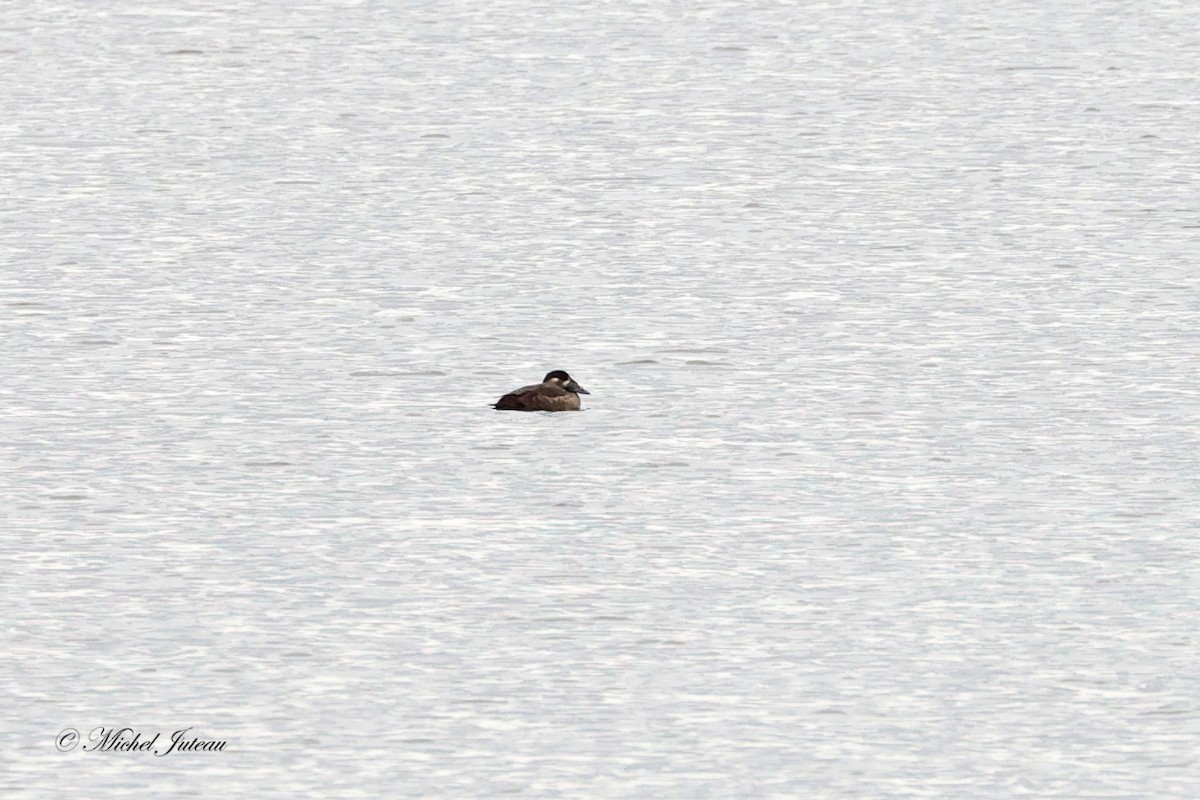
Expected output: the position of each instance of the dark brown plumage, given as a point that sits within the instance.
(558, 391)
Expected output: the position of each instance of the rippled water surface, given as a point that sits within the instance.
(887, 485)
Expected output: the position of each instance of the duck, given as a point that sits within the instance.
(558, 391)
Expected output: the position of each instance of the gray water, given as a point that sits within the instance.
(887, 485)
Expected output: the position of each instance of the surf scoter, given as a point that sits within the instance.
(558, 391)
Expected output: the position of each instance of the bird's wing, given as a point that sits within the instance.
(519, 399)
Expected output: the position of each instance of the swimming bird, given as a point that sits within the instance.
(558, 391)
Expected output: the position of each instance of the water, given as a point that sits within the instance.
(886, 486)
